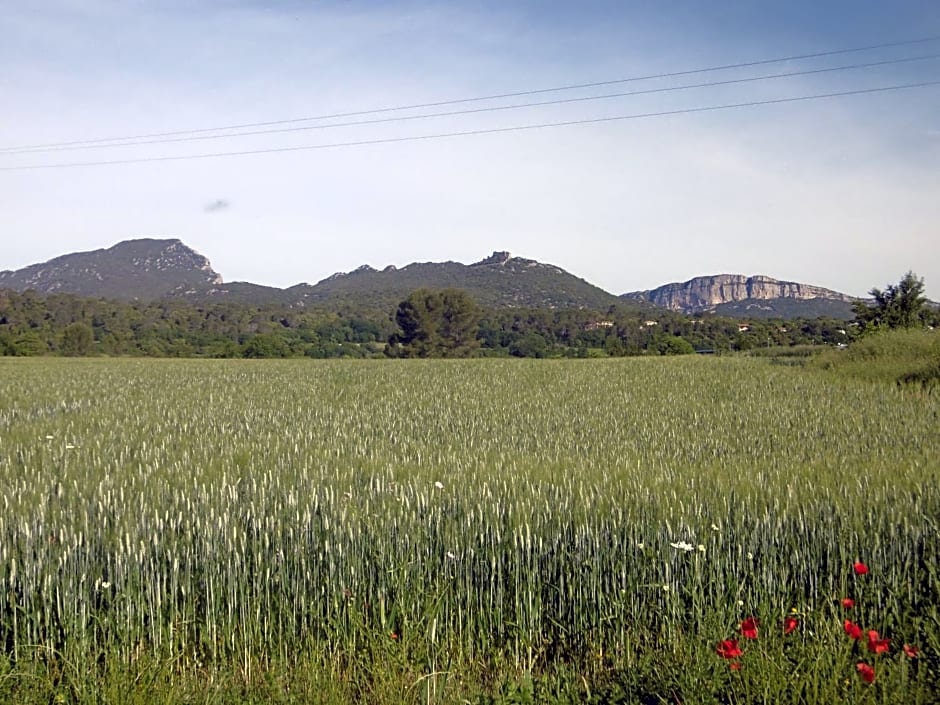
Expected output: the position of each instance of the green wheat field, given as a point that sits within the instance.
(480, 531)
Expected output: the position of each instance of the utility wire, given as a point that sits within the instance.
(468, 111)
(458, 101)
(467, 133)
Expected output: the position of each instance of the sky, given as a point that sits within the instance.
(841, 192)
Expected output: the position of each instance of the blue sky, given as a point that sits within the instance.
(842, 192)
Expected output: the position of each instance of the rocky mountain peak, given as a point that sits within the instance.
(497, 258)
(133, 269)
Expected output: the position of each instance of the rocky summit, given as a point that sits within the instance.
(142, 269)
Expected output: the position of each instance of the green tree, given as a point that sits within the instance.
(77, 340)
(7, 346)
(266, 345)
(436, 323)
(30, 344)
(529, 345)
(674, 345)
(900, 306)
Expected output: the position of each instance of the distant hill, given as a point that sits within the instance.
(500, 280)
(142, 269)
(747, 297)
(150, 269)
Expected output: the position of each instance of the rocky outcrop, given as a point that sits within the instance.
(499, 258)
(706, 293)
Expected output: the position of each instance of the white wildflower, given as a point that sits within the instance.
(682, 546)
(640, 546)
(451, 556)
(701, 548)
(439, 485)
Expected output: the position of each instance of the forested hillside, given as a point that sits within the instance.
(65, 324)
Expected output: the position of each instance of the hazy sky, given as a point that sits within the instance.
(841, 192)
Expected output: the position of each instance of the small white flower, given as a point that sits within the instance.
(701, 548)
(439, 485)
(451, 556)
(682, 546)
(69, 446)
(665, 588)
(740, 603)
(640, 546)
(715, 527)
(105, 584)
(750, 556)
(49, 438)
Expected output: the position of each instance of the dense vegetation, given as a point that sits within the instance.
(901, 305)
(483, 531)
(64, 324)
(908, 358)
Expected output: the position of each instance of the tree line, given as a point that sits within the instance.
(428, 323)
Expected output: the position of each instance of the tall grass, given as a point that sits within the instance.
(429, 530)
(905, 357)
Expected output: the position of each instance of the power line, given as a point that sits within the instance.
(468, 111)
(458, 101)
(467, 133)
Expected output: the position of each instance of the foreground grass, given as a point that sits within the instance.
(908, 358)
(481, 531)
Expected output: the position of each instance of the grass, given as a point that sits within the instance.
(905, 357)
(487, 531)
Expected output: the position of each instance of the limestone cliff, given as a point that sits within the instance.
(706, 293)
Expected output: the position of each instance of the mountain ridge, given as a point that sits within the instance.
(150, 269)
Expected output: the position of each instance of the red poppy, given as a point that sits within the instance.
(853, 630)
(749, 628)
(790, 624)
(876, 644)
(728, 649)
(860, 568)
(393, 635)
(735, 665)
(911, 651)
(866, 672)
(848, 603)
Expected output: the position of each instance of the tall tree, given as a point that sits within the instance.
(77, 339)
(436, 323)
(899, 306)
